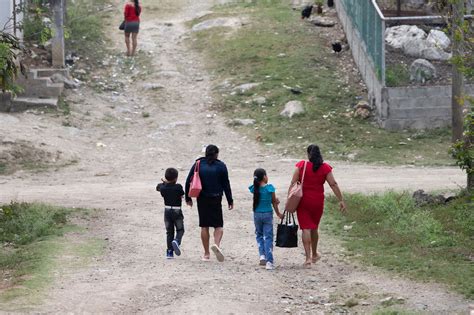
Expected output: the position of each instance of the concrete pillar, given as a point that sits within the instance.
(58, 34)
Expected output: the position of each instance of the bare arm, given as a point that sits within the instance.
(335, 188)
(295, 178)
(275, 203)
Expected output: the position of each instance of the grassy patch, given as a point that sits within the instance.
(32, 246)
(84, 27)
(277, 50)
(397, 75)
(428, 243)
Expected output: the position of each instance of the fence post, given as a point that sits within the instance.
(58, 49)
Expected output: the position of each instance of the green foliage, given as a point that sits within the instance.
(10, 50)
(23, 223)
(397, 75)
(34, 27)
(429, 243)
(84, 29)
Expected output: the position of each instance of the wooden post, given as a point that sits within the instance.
(399, 7)
(458, 77)
(57, 48)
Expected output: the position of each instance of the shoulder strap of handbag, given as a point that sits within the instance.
(196, 168)
(304, 171)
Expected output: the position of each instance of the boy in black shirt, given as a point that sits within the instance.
(173, 194)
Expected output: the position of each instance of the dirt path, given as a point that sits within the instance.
(120, 174)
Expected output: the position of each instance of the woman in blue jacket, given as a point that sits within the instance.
(215, 183)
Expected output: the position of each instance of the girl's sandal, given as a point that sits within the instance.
(307, 265)
(206, 258)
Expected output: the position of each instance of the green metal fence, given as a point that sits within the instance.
(368, 20)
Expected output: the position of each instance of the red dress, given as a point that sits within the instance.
(130, 14)
(310, 209)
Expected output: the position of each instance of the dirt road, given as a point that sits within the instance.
(120, 158)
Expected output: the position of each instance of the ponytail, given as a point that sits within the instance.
(212, 152)
(258, 176)
(137, 8)
(315, 157)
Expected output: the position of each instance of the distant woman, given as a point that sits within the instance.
(215, 183)
(310, 209)
(131, 12)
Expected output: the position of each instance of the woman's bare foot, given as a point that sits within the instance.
(316, 258)
(307, 264)
(206, 257)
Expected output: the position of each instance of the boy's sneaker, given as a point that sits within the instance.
(176, 248)
(269, 266)
(169, 254)
(263, 260)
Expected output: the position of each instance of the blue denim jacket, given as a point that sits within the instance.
(214, 179)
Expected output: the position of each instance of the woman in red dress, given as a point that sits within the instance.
(131, 12)
(310, 209)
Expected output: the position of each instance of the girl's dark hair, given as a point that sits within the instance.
(137, 8)
(212, 152)
(315, 157)
(258, 176)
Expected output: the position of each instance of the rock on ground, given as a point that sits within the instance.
(421, 70)
(243, 88)
(292, 108)
(323, 21)
(68, 83)
(397, 36)
(438, 39)
(420, 48)
(241, 122)
(218, 22)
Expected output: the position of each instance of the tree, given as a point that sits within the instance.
(457, 91)
(10, 49)
(463, 105)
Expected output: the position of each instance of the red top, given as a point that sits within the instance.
(130, 14)
(313, 181)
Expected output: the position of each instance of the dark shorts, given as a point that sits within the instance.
(210, 212)
(132, 27)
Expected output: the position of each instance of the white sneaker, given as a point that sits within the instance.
(269, 266)
(263, 260)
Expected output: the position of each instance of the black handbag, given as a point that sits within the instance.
(287, 232)
(122, 26)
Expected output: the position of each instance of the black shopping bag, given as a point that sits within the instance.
(287, 232)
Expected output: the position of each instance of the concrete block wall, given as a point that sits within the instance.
(419, 107)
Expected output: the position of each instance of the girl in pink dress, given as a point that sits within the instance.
(310, 209)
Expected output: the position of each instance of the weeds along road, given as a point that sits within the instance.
(121, 155)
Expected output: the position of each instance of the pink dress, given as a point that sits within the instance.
(310, 209)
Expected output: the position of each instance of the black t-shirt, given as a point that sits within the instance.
(172, 193)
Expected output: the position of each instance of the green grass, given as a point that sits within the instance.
(31, 237)
(85, 27)
(397, 75)
(432, 243)
(252, 54)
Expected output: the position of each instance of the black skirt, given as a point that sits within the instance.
(210, 211)
(132, 27)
